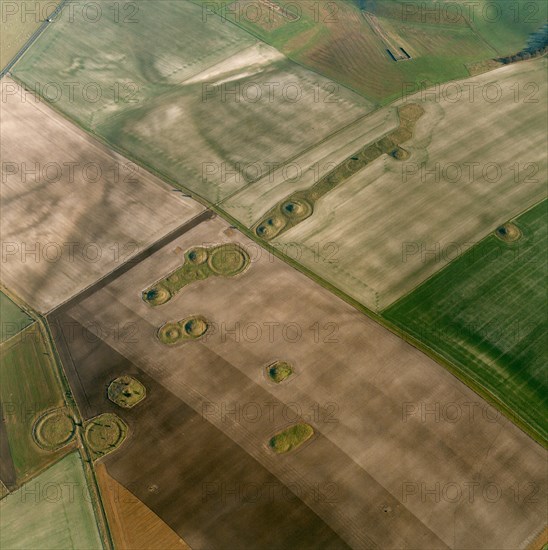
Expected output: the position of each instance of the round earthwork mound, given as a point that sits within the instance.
(296, 209)
(508, 232)
(227, 260)
(194, 327)
(270, 227)
(197, 256)
(54, 429)
(279, 371)
(156, 295)
(400, 154)
(104, 433)
(170, 333)
(126, 391)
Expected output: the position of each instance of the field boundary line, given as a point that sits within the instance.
(128, 264)
(334, 134)
(85, 456)
(378, 317)
(35, 35)
(474, 247)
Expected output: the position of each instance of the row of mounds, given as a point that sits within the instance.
(104, 433)
(190, 328)
(224, 260)
(295, 435)
(56, 428)
(300, 205)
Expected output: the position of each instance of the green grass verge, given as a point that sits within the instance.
(14, 319)
(485, 314)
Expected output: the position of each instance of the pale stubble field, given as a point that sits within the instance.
(72, 210)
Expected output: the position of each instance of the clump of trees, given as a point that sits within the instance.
(523, 55)
(538, 46)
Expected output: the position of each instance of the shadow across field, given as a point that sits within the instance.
(203, 485)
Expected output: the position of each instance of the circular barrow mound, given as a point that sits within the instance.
(126, 391)
(170, 333)
(104, 433)
(156, 295)
(197, 256)
(279, 371)
(508, 233)
(296, 209)
(194, 327)
(270, 227)
(228, 260)
(54, 430)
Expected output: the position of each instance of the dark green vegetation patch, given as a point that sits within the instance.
(485, 313)
(225, 260)
(291, 438)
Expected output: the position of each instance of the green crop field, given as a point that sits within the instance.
(28, 387)
(485, 314)
(53, 511)
(110, 61)
(507, 25)
(13, 319)
(338, 40)
(211, 114)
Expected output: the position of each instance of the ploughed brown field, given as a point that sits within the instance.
(133, 525)
(197, 450)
